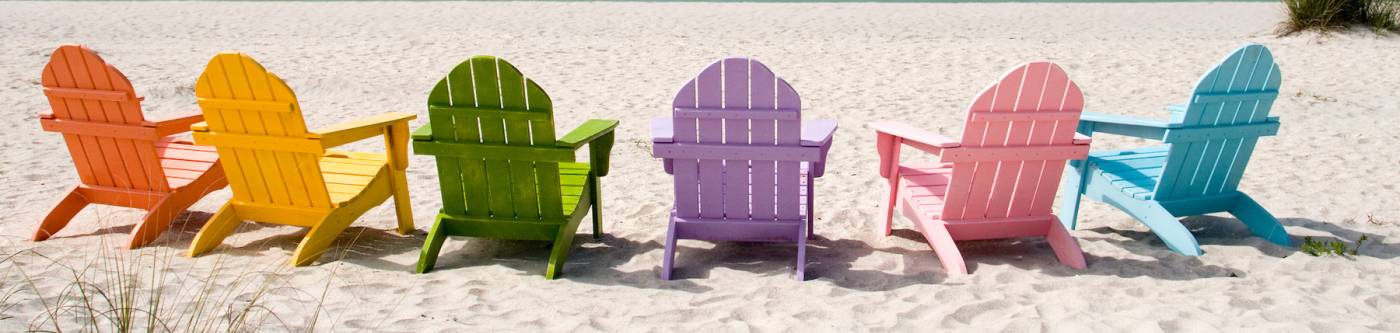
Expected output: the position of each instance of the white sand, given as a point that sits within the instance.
(1334, 162)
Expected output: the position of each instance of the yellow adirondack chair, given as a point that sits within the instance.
(280, 172)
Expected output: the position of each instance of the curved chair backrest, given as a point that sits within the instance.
(738, 102)
(1227, 113)
(1018, 135)
(96, 109)
(256, 124)
(506, 123)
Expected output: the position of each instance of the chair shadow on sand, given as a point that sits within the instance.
(358, 244)
(830, 260)
(591, 261)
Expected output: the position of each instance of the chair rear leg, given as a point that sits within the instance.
(1259, 221)
(1168, 228)
(562, 244)
(62, 212)
(1065, 246)
(432, 246)
(214, 231)
(944, 246)
(158, 219)
(1165, 225)
(668, 257)
(321, 237)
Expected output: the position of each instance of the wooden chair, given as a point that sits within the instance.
(742, 158)
(1208, 143)
(999, 181)
(122, 158)
(282, 173)
(502, 172)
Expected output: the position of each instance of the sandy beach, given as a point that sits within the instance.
(1330, 173)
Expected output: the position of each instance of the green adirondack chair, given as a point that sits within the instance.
(502, 172)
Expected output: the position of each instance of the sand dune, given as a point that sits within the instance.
(1334, 162)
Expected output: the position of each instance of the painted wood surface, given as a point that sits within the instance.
(282, 173)
(502, 173)
(741, 158)
(999, 179)
(1208, 144)
(121, 158)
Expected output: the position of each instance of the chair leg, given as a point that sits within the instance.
(1168, 228)
(597, 196)
(214, 231)
(1165, 225)
(321, 237)
(1071, 191)
(944, 246)
(668, 258)
(432, 246)
(158, 219)
(62, 212)
(811, 200)
(889, 204)
(802, 253)
(562, 244)
(403, 210)
(1260, 222)
(1065, 246)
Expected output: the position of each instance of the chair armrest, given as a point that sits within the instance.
(199, 127)
(173, 125)
(1090, 123)
(1174, 108)
(360, 129)
(598, 134)
(925, 140)
(1124, 120)
(663, 130)
(1081, 139)
(817, 133)
(590, 130)
(424, 133)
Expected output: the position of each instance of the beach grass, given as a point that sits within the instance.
(142, 291)
(1327, 15)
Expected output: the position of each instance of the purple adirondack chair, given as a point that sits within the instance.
(742, 158)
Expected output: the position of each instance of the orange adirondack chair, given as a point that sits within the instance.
(122, 159)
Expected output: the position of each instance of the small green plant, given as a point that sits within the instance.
(1318, 248)
(1326, 15)
(1315, 96)
(641, 144)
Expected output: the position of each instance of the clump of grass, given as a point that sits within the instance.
(1318, 248)
(1327, 15)
(131, 291)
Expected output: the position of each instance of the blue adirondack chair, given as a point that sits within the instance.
(1208, 144)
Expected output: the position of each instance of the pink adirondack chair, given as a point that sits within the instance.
(742, 157)
(1000, 180)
